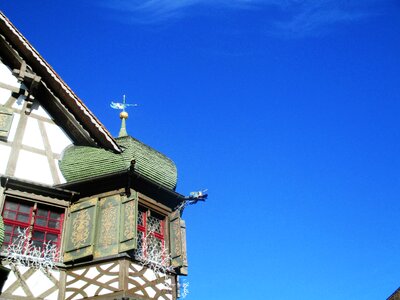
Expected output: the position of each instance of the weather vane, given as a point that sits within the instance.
(123, 105)
(123, 115)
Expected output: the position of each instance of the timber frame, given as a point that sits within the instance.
(128, 279)
(104, 221)
(53, 93)
(23, 188)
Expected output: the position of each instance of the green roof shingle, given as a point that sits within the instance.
(82, 162)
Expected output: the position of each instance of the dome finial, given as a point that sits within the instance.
(123, 115)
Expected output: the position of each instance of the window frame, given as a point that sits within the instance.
(31, 225)
(143, 229)
(46, 229)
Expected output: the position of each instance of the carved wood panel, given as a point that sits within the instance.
(112, 279)
(145, 282)
(93, 281)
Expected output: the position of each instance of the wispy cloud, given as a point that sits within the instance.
(295, 17)
(156, 11)
(305, 18)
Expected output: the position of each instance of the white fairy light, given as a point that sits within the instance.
(22, 252)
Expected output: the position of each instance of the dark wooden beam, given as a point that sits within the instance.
(9, 182)
(9, 56)
(12, 41)
(115, 181)
(45, 97)
(55, 83)
(64, 118)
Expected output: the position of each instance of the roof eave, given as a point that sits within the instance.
(10, 182)
(58, 86)
(125, 179)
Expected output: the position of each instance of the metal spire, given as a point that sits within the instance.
(123, 114)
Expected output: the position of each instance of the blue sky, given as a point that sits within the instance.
(287, 111)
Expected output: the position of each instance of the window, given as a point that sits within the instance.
(44, 222)
(151, 236)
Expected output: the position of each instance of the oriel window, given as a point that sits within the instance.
(151, 236)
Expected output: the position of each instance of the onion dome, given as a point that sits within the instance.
(82, 162)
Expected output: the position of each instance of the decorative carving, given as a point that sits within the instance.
(110, 280)
(81, 227)
(93, 281)
(6, 117)
(108, 225)
(177, 231)
(149, 283)
(129, 220)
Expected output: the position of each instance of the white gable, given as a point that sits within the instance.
(8, 78)
(34, 143)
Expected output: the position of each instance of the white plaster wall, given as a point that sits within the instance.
(37, 283)
(33, 167)
(4, 95)
(40, 111)
(14, 126)
(19, 103)
(60, 175)
(6, 77)
(32, 136)
(58, 139)
(5, 151)
(30, 166)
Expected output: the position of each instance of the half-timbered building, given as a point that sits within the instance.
(86, 215)
(395, 295)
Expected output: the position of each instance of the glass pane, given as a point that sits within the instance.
(42, 212)
(38, 235)
(23, 218)
(11, 205)
(18, 230)
(37, 244)
(51, 237)
(153, 224)
(8, 228)
(54, 224)
(154, 249)
(139, 250)
(24, 208)
(55, 216)
(141, 218)
(41, 222)
(9, 215)
(7, 238)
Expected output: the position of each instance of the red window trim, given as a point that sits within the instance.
(143, 228)
(31, 220)
(51, 230)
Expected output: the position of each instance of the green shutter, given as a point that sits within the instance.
(80, 230)
(108, 226)
(177, 237)
(184, 268)
(1, 231)
(128, 229)
(6, 117)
